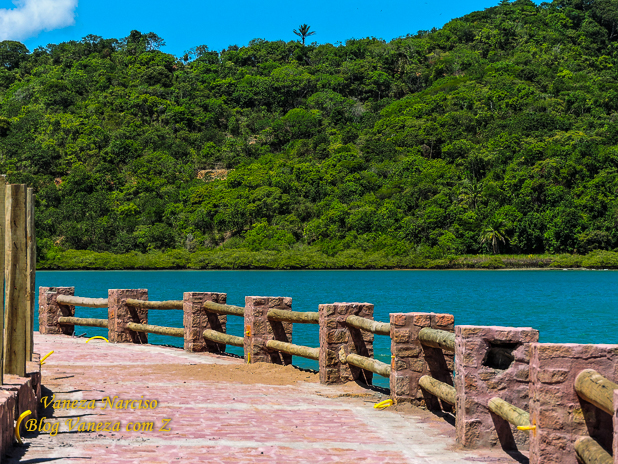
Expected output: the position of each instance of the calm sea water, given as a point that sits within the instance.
(575, 306)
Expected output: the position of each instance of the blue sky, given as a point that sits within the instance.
(187, 23)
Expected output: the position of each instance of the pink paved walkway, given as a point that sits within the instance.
(217, 421)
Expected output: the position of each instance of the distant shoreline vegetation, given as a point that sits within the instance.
(312, 258)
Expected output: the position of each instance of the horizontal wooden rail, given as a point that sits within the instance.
(292, 316)
(596, 389)
(590, 452)
(156, 329)
(437, 339)
(224, 309)
(83, 321)
(296, 350)
(82, 301)
(508, 412)
(369, 364)
(171, 304)
(442, 390)
(225, 339)
(376, 327)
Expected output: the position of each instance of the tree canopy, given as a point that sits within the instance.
(498, 132)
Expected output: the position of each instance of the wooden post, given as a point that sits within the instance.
(16, 281)
(2, 223)
(31, 266)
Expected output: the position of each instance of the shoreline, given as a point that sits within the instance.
(312, 259)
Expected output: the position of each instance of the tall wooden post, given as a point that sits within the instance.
(16, 313)
(31, 265)
(2, 235)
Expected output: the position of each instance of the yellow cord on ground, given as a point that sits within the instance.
(248, 358)
(526, 427)
(46, 356)
(98, 336)
(16, 431)
(383, 404)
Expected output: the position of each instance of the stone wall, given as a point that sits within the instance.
(259, 329)
(560, 415)
(336, 335)
(491, 362)
(196, 319)
(17, 395)
(50, 310)
(411, 359)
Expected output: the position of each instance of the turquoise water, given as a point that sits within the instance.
(575, 306)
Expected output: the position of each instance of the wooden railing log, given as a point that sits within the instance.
(590, 452)
(296, 350)
(171, 304)
(511, 414)
(224, 309)
(225, 339)
(442, 390)
(82, 301)
(376, 327)
(596, 389)
(369, 364)
(437, 339)
(292, 316)
(83, 321)
(155, 329)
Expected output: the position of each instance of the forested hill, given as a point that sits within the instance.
(498, 131)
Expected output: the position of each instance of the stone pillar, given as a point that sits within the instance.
(8, 402)
(411, 360)
(119, 314)
(50, 310)
(196, 319)
(258, 329)
(335, 334)
(615, 421)
(560, 415)
(491, 362)
(33, 370)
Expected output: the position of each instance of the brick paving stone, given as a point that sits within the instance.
(216, 421)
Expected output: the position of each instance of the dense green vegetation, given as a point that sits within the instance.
(496, 134)
(311, 258)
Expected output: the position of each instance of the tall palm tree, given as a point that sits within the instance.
(303, 32)
(494, 233)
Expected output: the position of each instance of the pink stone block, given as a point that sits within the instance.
(335, 334)
(491, 362)
(615, 423)
(119, 314)
(259, 329)
(560, 414)
(411, 359)
(8, 400)
(196, 319)
(50, 310)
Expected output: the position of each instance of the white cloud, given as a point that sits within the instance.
(33, 16)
